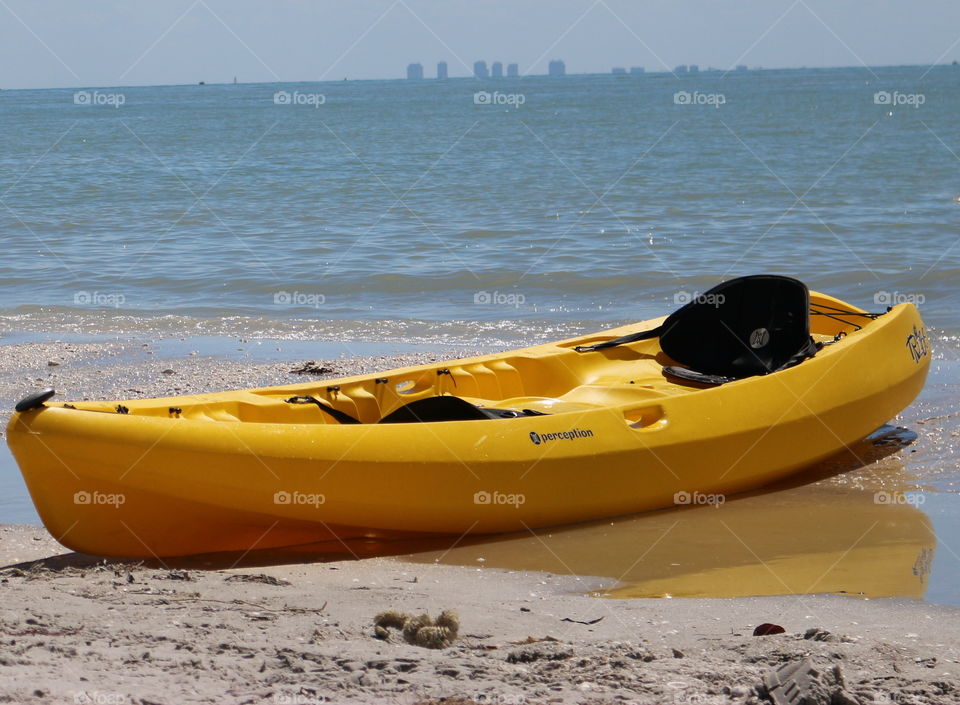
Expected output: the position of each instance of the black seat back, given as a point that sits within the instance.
(743, 327)
(747, 326)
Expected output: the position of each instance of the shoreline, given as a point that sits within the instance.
(78, 627)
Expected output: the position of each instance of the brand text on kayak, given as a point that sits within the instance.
(572, 435)
(917, 344)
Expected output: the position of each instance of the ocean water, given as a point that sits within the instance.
(505, 212)
(517, 208)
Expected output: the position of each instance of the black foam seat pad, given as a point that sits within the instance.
(450, 408)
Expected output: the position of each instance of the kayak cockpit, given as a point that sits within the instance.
(747, 327)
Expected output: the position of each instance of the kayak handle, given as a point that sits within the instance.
(35, 400)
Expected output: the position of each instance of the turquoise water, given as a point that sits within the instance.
(597, 199)
(483, 214)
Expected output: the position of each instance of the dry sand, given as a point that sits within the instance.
(74, 629)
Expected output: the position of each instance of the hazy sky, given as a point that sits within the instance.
(51, 43)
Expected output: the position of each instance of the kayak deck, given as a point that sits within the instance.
(545, 383)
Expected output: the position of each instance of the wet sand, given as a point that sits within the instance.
(303, 633)
(230, 629)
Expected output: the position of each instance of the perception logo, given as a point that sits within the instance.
(572, 435)
(759, 338)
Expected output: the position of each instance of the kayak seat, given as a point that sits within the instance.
(450, 408)
(743, 327)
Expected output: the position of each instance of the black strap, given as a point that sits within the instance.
(808, 350)
(513, 413)
(642, 335)
(694, 376)
(335, 413)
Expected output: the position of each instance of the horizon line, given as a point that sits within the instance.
(429, 79)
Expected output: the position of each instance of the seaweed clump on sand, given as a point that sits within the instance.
(419, 630)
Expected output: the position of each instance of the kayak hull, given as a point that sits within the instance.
(239, 471)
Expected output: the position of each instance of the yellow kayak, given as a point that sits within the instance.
(641, 417)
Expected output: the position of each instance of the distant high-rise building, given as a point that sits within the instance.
(682, 68)
(741, 67)
(496, 69)
(480, 69)
(557, 68)
(636, 69)
(619, 71)
(694, 68)
(442, 69)
(415, 71)
(513, 70)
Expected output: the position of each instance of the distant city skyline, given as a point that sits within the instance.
(62, 43)
(557, 67)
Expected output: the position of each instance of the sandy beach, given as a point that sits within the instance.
(78, 630)
(236, 629)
